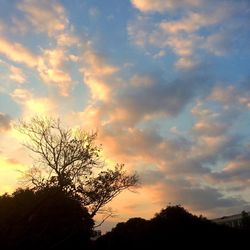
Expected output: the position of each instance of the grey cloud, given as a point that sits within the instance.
(164, 97)
(178, 155)
(151, 176)
(181, 191)
(238, 170)
(208, 198)
(212, 130)
(200, 198)
(233, 148)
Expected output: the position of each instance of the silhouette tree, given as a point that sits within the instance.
(70, 160)
(44, 219)
(245, 221)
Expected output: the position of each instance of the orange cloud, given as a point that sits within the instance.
(95, 73)
(66, 39)
(181, 45)
(32, 105)
(52, 69)
(186, 63)
(17, 52)
(163, 5)
(17, 75)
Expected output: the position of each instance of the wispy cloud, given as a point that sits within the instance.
(17, 52)
(44, 16)
(162, 6)
(17, 74)
(202, 28)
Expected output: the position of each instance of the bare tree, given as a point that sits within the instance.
(70, 160)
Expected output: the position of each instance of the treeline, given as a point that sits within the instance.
(51, 219)
(172, 227)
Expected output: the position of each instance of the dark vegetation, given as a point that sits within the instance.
(172, 227)
(51, 219)
(45, 219)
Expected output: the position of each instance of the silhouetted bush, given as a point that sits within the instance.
(47, 219)
(172, 227)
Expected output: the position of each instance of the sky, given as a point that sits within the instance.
(165, 83)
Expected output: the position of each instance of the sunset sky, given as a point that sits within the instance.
(166, 83)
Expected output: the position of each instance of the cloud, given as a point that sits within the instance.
(218, 44)
(17, 52)
(183, 45)
(5, 121)
(193, 157)
(17, 75)
(194, 21)
(146, 33)
(186, 63)
(151, 177)
(163, 97)
(214, 129)
(67, 39)
(44, 16)
(145, 80)
(175, 157)
(52, 69)
(209, 122)
(32, 105)
(47, 17)
(231, 96)
(19, 26)
(200, 198)
(236, 170)
(21, 95)
(162, 5)
(146, 97)
(206, 28)
(96, 74)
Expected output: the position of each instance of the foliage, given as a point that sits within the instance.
(173, 227)
(245, 222)
(44, 219)
(72, 162)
